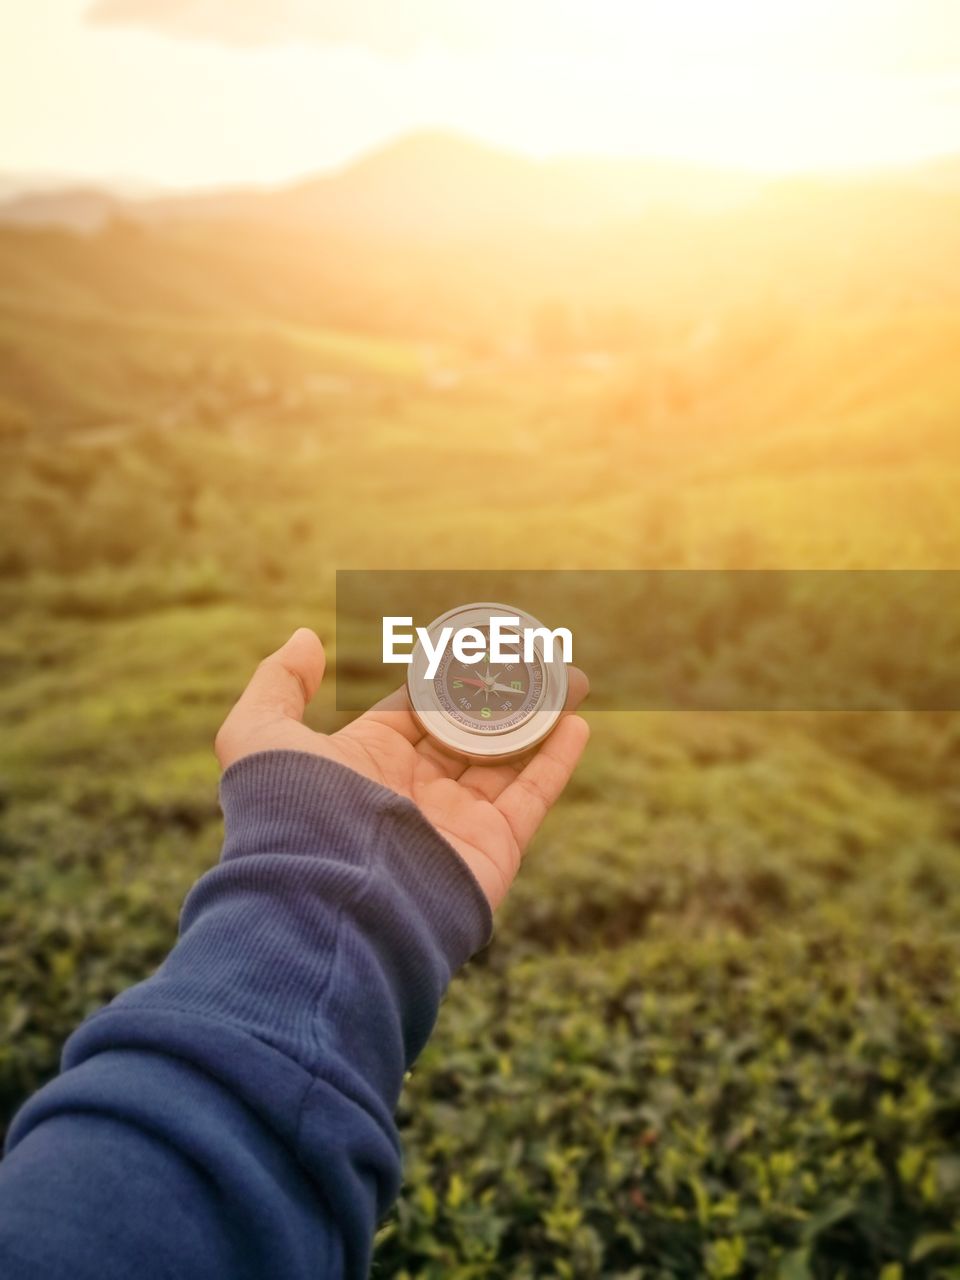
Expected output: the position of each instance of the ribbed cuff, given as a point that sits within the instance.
(292, 802)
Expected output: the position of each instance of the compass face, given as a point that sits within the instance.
(489, 697)
(487, 711)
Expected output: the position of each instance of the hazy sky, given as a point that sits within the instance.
(208, 91)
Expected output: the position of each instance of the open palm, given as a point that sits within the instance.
(487, 812)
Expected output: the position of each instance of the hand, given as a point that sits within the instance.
(487, 812)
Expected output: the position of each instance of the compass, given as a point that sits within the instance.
(487, 711)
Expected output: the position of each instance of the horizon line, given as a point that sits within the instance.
(136, 187)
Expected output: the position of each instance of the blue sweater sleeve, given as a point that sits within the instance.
(232, 1116)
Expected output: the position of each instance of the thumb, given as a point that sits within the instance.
(286, 680)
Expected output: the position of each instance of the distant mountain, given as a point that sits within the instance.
(14, 184)
(84, 209)
(436, 180)
(429, 182)
(56, 199)
(441, 185)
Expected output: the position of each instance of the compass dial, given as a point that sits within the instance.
(489, 697)
(485, 710)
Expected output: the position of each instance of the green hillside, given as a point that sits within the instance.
(718, 1032)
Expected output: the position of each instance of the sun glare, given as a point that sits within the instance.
(746, 83)
(738, 83)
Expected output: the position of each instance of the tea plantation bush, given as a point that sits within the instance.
(717, 1034)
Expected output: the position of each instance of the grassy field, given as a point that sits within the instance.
(718, 1031)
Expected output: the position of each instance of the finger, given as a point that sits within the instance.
(578, 686)
(525, 802)
(286, 680)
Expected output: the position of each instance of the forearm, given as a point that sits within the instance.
(234, 1112)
